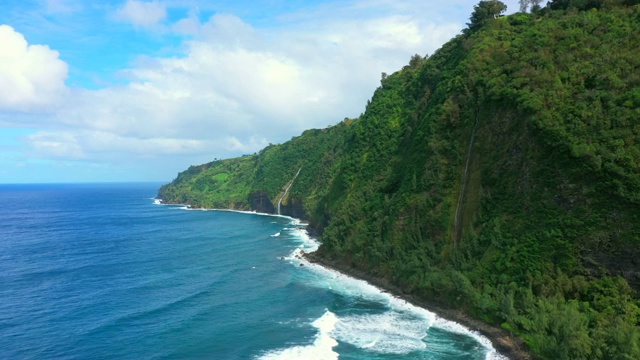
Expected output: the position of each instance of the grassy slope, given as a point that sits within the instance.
(500, 176)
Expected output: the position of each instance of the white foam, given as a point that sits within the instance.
(322, 347)
(390, 332)
(398, 331)
(410, 323)
(276, 234)
(306, 243)
(346, 285)
(157, 201)
(454, 327)
(191, 208)
(188, 207)
(249, 212)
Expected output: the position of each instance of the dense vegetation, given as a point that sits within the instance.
(500, 176)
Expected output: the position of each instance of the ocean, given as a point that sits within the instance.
(97, 271)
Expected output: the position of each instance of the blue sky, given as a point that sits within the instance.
(133, 90)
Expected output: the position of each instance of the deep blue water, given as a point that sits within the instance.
(100, 271)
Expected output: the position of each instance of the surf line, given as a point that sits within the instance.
(315, 263)
(287, 190)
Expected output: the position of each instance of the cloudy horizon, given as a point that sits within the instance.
(139, 90)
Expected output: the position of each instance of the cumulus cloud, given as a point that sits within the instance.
(142, 13)
(93, 145)
(233, 88)
(246, 84)
(31, 76)
(54, 145)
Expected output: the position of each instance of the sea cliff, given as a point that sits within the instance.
(498, 178)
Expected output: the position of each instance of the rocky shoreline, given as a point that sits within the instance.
(503, 341)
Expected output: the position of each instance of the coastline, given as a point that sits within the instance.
(503, 341)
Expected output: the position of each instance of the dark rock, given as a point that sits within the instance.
(294, 208)
(259, 201)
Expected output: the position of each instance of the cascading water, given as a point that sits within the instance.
(457, 229)
(287, 190)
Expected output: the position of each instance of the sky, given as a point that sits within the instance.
(131, 90)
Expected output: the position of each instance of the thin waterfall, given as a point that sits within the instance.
(287, 190)
(457, 230)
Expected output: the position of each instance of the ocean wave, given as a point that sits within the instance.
(322, 347)
(307, 243)
(248, 212)
(401, 329)
(294, 221)
(454, 327)
(145, 312)
(391, 332)
(189, 207)
(412, 322)
(159, 202)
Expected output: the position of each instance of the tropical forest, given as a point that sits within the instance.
(498, 176)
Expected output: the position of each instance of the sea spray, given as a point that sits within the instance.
(322, 347)
(390, 332)
(108, 274)
(401, 330)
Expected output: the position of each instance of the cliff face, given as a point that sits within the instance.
(500, 176)
(259, 201)
(294, 208)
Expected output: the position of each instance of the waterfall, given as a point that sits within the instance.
(287, 190)
(457, 231)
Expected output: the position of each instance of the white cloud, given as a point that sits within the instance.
(142, 13)
(236, 81)
(54, 145)
(31, 76)
(106, 146)
(234, 87)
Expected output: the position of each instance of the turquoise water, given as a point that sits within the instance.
(101, 271)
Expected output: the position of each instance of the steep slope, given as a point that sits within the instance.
(500, 176)
(259, 181)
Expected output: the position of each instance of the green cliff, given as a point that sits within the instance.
(499, 176)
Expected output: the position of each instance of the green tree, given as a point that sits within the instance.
(484, 12)
(543, 110)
